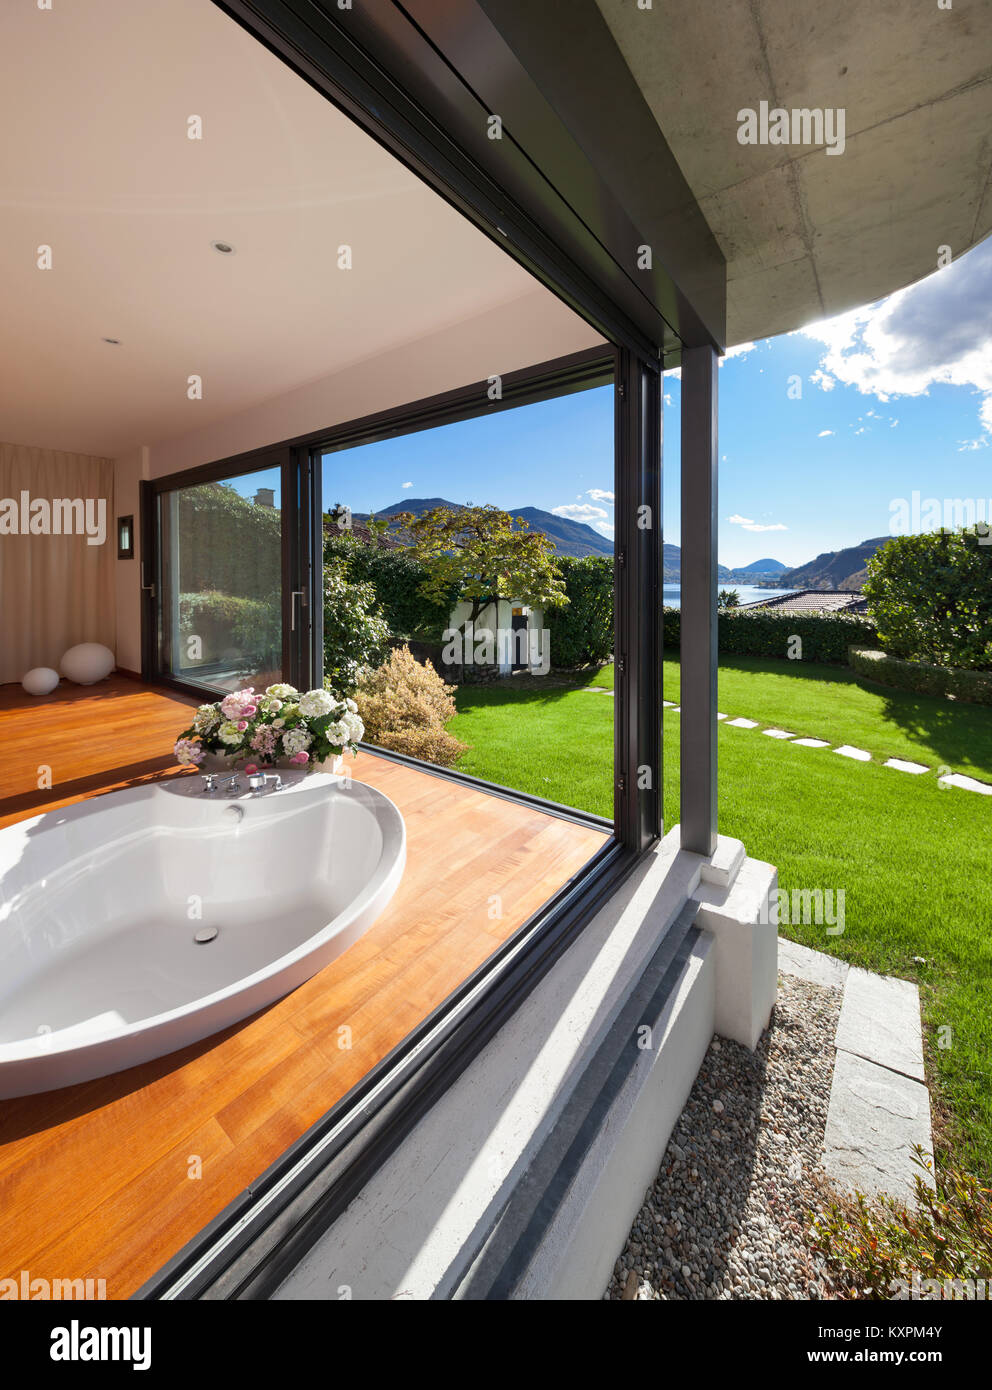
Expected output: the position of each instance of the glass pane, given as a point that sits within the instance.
(461, 641)
(221, 609)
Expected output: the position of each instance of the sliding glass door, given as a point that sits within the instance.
(231, 606)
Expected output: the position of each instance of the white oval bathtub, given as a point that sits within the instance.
(101, 904)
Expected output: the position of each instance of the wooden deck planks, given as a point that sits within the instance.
(95, 1179)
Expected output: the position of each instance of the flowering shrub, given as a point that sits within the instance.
(281, 723)
(405, 706)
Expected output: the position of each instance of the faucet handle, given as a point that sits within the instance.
(209, 780)
(232, 784)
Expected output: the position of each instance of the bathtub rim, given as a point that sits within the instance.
(375, 893)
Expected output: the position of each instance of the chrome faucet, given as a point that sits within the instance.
(209, 780)
(232, 786)
(258, 781)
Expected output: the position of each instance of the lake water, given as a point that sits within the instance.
(747, 593)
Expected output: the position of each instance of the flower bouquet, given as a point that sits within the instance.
(280, 726)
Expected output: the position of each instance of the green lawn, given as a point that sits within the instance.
(912, 858)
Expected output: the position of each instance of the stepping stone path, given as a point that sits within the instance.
(860, 755)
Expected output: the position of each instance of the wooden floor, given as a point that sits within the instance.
(110, 1178)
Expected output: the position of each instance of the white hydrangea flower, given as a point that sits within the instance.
(337, 733)
(355, 726)
(229, 733)
(316, 703)
(205, 718)
(295, 741)
(281, 691)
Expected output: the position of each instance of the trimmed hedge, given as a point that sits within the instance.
(949, 681)
(825, 637)
(222, 621)
(396, 576)
(582, 631)
(227, 544)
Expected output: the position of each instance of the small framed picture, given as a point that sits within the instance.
(125, 538)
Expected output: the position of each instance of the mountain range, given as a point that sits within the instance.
(834, 569)
(570, 537)
(577, 539)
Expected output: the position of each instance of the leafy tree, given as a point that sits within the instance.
(728, 598)
(930, 596)
(483, 554)
(355, 633)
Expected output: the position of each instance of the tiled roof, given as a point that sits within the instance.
(814, 601)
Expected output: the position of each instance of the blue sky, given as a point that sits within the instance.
(821, 431)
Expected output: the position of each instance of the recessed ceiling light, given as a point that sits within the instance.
(115, 341)
(224, 247)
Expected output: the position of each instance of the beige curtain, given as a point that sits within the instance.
(55, 589)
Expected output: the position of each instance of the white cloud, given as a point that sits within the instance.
(406, 485)
(823, 434)
(748, 525)
(668, 398)
(938, 331)
(605, 528)
(580, 511)
(598, 495)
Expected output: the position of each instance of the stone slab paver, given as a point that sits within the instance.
(814, 966)
(903, 766)
(969, 784)
(880, 1020)
(742, 723)
(859, 754)
(810, 743)
(874, 1119)
(777, 733)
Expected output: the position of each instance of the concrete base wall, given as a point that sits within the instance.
(480, 1176)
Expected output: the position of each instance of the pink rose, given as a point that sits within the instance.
(300, 758)
(241, 725)
(250, 768)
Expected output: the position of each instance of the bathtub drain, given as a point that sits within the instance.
(204, 934)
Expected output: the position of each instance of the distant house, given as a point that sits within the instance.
(814, 601)
(516, 641)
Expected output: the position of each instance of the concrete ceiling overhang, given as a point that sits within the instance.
(807, 235)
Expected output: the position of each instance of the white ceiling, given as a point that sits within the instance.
(96, 163)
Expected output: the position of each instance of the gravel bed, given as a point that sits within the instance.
(726, 1214)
